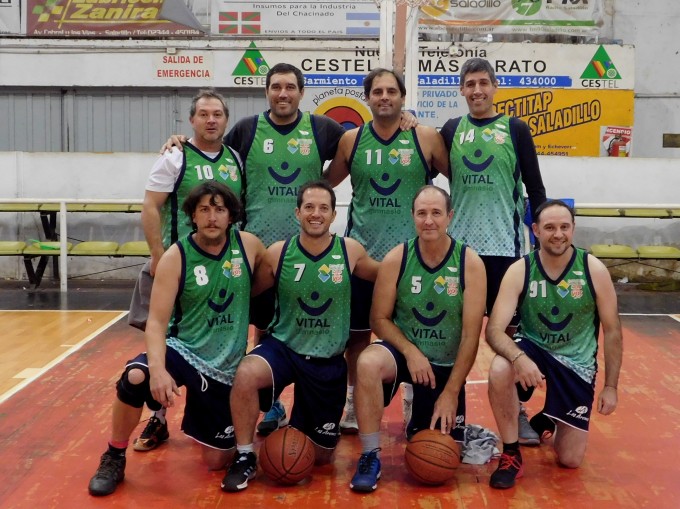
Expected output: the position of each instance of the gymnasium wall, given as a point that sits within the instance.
(37, 175)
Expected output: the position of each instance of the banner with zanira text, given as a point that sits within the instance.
(102, 18)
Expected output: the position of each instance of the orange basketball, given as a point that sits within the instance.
(431, 457)
(287, 456)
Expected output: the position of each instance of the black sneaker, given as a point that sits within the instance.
(111, 471)
(242, 470)
(154, 434)
(542, 425)
(509, 469)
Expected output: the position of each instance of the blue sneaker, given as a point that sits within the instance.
(274, 419)
(368, 472)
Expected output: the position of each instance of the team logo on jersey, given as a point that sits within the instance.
(236, 264)
(292, 145)
(221, 308)
(439, 284)
(305, 146)
(232, 268)
(228, 172)
(448, 283)
(283, 179)
(452, 286)
(314, 310)
(563, 289)
(487, 134)
(496, 135)
(555, 326)
(226, 269)
(426, 321)
(385, 191)
(405, 155)
(324, 273)
(478, 167)
(336, 272)
(576, 286)
(393, 156)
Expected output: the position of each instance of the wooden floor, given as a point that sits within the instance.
(55, 421)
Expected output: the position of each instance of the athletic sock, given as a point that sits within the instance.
(369, 442)
(513, 447)
(245, 449)
(117, 448)
(160, 414)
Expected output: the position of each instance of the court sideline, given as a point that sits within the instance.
(53, 431)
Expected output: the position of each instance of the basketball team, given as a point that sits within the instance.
(238, 227)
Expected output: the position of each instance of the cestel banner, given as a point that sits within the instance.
(337, 19)
(101, 18)
(569, 17)
(564, 92)
(10, 17)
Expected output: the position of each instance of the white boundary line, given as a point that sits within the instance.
(77, 346)
(647, 314)
(11, 392)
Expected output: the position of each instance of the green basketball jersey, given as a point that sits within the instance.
(209, 326)
(429, 305)
(312, 299)
(276, 166)
(385, 177)
(561, 316)
(486, 188)
(197, 167)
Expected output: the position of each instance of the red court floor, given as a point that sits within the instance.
(53, 431)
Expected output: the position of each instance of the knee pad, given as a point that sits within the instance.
(136, 395)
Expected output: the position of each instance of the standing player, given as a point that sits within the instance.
(195, 336)
(563, 295)
(429, 316)
(282, 149)
(387, 166)
(174, 174)
(306, 340)
(491, 156)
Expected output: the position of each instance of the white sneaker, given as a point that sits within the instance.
(407, 408)
(348, 423)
